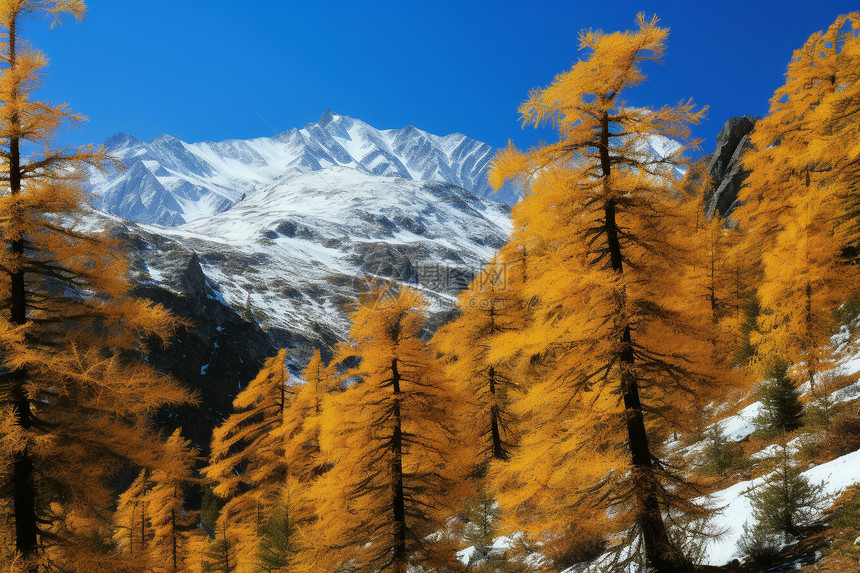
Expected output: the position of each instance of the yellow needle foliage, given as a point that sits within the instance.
(487, 308)
(837, 146)
(390, 440)
(794, 209)
(75, 394)
(781, 160)
(151, 522)
(294, 513)
(247, 461)
(722, 275)
(618, 331)
(302, 420)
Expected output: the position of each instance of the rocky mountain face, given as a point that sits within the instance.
(724, 168)
(215, 355)
(282, 266)
(171, 182)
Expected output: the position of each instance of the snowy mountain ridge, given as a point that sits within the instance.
(292, 255)
(171, 182)
(284, 267)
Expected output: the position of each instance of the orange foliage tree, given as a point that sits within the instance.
(390, 440)
(794, 209)
(76, 396)
(487, 309)
(302, 421)
(837, 146)
(617, 328)
(722, 273)
(151, 521)
(247, 462)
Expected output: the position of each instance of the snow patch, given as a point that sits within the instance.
(736, 509)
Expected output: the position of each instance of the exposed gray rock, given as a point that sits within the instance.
(724, 167)
(216, 354)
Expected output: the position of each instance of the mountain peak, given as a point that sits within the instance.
(208, 177)
(165, 138)
(327, 117)
(119, 140)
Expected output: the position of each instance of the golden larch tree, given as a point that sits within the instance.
(487, 308)
(779, 172)
(302, 421)
(617, 328)
(794, 209)
(74, 390)
(837, 146)
(721, 272)
(152, 524)
(131, 519)
(170, 519)
(287, 535)
(247, 461)
(390, 440)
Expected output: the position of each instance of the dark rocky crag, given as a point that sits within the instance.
(724, 167)
(215, 355)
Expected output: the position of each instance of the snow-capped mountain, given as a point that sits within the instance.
(279, 266)
(170, 182)
(282, 268)
(660, 147)
(292, 254)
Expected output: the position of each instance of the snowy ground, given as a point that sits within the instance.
(835, 475)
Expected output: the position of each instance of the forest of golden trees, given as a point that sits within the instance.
(613, 319)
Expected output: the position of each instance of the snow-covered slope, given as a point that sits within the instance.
(170, 182)
(733, 503)
(736, 510)
(292, 254)
(661, 147)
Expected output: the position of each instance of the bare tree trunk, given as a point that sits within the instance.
(499, 452)
(659, 549)
(398, 498)
(24, 493)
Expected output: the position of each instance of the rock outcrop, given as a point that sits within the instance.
(724, 167)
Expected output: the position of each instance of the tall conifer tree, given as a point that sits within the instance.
(617, 327)
(151, 522)
(390, 439)
(487, 309)
(73, 388)
(837, 147)
(302, 421)
(793, 209)
(248, 462)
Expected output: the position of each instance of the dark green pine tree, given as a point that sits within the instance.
(787, 502)
(781, 410)
(482, 521)
(221, 556)
(721, 454)
(746, 349)
(278, 545)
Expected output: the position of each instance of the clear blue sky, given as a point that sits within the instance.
(218, 69)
